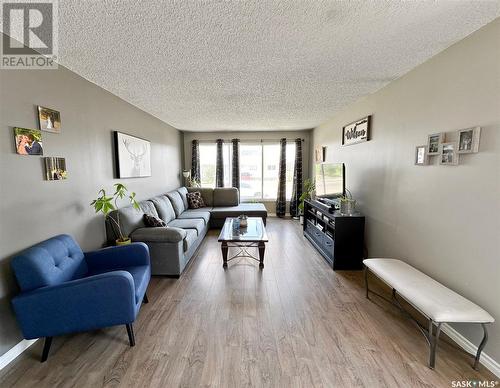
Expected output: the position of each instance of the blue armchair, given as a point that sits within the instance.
(64, 290)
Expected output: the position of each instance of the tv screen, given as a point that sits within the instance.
(330, 180)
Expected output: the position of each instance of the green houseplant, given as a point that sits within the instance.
(308, 190)
(107, 203)
(347, 204)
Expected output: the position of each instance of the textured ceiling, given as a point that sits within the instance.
(255, 65)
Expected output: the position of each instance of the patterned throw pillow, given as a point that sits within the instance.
(152, 221)
(195, 201)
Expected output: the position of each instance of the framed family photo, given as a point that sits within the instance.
(421, 155)
(49, 120)
(468, 140)
(55, 169)
(133, 156)
(448, 154)
(433, 143)
(28, 141)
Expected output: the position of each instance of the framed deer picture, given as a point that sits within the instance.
(133, 156)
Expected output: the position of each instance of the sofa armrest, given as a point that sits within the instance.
(118, 257)
(90, 303)
(160, 234)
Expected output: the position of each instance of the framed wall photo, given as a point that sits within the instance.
(468, 140)
(55, 169)
(433, 143)
(320, 154)
(357, 131)
(49, 120)
(28, 141)
(448, 154)
(133, 156)
(421, 155)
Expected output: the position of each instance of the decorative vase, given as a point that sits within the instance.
(347, 206)
(243, 221)
(124, 241)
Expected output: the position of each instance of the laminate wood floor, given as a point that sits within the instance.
(294, 324)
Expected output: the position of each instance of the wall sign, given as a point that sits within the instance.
(356, 132)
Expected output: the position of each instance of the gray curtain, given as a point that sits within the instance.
(219, 165)
(281, 198)
(297, 179)
(195, 161)
(236, 163)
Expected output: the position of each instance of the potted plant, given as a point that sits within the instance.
(107, 203)
(309, 187)
(347, 204)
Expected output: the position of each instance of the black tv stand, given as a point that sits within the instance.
(338, 238)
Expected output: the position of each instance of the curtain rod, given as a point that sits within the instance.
(248, 140)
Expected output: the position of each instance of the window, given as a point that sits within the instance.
(259, 169)
(251, 171)
(208, 158)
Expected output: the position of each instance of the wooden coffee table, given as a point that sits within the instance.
(252, 236)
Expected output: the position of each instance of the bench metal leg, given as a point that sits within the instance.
(366, 282)
(481, 346)
(433, 340)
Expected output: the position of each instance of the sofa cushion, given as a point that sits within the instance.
(162, 234)
(131, 218)
(51, 262)
(203, 212)
(164, 208)
(182, 192)
(250, 209)
(177, 202)
(152, 221)
(207, 194)
(190, 239)
(189, 223)
(195, 200)
(226, 196)
(148, 207)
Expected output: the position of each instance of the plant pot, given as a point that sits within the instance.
(301, 219)
(124, 241)
(347, 206)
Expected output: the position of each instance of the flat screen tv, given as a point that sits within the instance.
(330, 180)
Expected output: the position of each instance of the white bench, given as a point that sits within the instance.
(435, 301)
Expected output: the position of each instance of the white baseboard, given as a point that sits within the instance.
(488, 362)
(11, 355)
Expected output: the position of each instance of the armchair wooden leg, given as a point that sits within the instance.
(130, 332)
(145, 299)
(46, 348)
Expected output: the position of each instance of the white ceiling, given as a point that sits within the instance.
(255, 65)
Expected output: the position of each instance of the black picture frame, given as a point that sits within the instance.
(122, 164)
(348, 127)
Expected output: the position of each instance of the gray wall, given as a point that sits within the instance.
(445, 220)
(251, 136)
(32, 209)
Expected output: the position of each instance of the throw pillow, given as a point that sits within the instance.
(152, 221)
(195, 201)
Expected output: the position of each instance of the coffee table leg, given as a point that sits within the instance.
(262, 249)
(224, 248)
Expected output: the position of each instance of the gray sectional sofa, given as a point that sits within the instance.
(172, 247)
